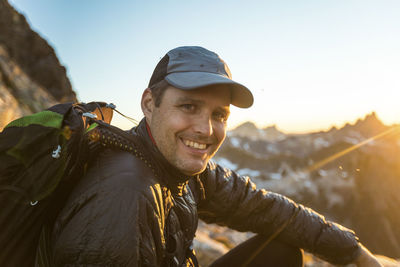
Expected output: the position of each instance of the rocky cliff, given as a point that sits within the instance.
(31, 76)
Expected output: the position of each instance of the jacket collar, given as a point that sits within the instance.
(174, 178)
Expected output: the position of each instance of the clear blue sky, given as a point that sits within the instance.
(310, 64)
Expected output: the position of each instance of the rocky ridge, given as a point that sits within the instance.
(31, 76)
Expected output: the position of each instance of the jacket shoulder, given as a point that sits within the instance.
(120, 169)
(109, 212)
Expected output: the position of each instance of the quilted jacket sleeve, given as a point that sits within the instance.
(232, 200)
(110, 219)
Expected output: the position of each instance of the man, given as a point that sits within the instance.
(142, 208)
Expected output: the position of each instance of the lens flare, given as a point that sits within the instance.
(325, 161)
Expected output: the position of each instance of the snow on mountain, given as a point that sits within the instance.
(226, 163)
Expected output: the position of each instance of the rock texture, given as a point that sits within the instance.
(31, 76)
(19, 95)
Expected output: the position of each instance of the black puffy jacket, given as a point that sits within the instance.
(135, 209)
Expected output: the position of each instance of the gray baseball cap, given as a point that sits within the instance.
(191, 67)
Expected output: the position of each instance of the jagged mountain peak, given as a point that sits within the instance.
(248, 125)
(250, 130)
(271, 127)
(368, 126)
(371, 120)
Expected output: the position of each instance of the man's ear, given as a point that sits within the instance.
(147, 104)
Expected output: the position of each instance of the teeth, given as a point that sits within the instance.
(195, 144)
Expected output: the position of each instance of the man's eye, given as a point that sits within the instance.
(220, 117)
(188, 107)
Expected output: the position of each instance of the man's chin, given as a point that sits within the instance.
(193, 170)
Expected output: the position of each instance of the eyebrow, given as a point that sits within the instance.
(189, 99)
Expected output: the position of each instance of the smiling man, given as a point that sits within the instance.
(142, 208)
(189, 126)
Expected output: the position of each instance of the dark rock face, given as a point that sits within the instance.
(33, 54)
(31, 77)
(19, 95)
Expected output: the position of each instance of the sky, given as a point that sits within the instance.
(310, 64)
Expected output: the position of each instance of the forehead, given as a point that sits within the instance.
(216, 95)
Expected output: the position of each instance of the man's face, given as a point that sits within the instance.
(189, 126)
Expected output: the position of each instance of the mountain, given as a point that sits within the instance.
(351, 175)
(250, 130)
(31, 76)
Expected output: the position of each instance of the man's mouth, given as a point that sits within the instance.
(193, 144)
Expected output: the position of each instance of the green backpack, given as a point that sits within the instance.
(41, 158)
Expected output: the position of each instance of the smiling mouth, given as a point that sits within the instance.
(193, 144)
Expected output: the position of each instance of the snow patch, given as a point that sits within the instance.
(275, 175)
(272, 148)
(320, 142)
(248, 172)
(226, 163)
(351, 140)
(300, 175)
(235, 141)
(308, 184)
(322, 173)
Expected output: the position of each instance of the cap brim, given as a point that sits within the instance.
(241, 95)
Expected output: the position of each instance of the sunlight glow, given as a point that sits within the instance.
(317, 165)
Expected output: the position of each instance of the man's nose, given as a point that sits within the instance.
(204, 126)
